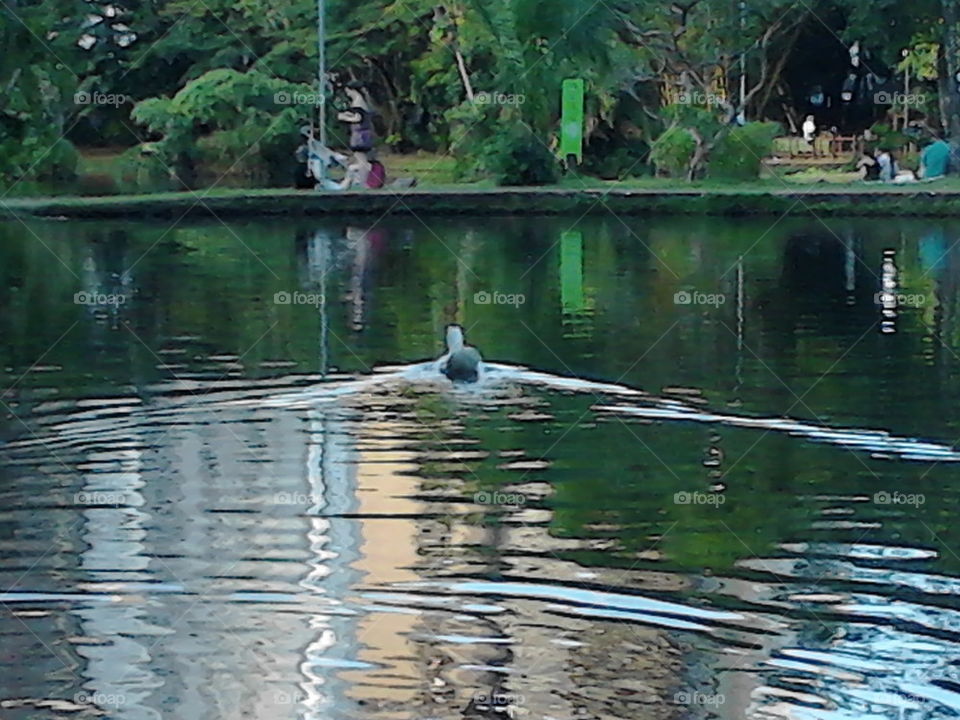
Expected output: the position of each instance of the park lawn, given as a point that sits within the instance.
(435, 170)
(437, 190)
(429, 168)
(643, 196)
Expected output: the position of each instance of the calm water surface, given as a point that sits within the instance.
(709, 474)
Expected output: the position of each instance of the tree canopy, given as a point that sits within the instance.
(206, 82)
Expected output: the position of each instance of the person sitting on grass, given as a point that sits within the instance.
(935, 159)
(357, 169)
(321, 159)
(868, 166)
(887, 163)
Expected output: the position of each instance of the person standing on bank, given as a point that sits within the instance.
(809, 130)
(360, 119)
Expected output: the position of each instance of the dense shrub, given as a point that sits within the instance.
(37, 157)
(518, 157)
(140, 167)
(227, 122)
(672, 151)
(887, 138)
(739, 154)
(473, 127)
(60, 162)
(613, 160)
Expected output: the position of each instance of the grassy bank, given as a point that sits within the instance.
(98, 193)
(639, 197)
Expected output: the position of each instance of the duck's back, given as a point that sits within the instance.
(463, 365)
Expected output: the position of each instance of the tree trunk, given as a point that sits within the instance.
(698, 162)
(774, 80)
(391, 118)
(464, 76)
(453, 14)
(949, 90)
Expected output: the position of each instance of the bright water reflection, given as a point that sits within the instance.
(710, 474)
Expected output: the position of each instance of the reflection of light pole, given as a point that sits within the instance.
(322, 82)
(318, 265)
(740, 322)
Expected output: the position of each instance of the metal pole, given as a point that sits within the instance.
(322, 81)
(743, 67)
(906, 93)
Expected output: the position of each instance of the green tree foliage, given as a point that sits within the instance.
(226, 118)
(672, 152)
(38, 65)
(519, 157)
(436, 72)
(739, 154)
(699, 50)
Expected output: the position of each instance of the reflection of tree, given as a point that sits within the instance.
(207, 290)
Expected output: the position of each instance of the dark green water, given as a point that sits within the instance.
(228, 490)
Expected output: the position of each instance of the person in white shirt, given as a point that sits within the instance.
(888, 166)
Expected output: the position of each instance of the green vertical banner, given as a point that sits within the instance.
(571, 272)
(571, 120)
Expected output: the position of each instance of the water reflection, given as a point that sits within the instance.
(232, 506)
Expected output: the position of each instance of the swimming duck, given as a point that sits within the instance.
(462, 362)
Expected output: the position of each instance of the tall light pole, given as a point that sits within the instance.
(906, 88)
(322, 82)
(743, 68)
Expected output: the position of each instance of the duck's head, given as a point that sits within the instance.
(454, 338)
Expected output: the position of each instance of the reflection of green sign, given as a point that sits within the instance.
(571, 123)
(571, 271)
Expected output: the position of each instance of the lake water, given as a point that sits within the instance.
(709, 472)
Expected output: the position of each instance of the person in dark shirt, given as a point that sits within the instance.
(868, 166)
(359, 118)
